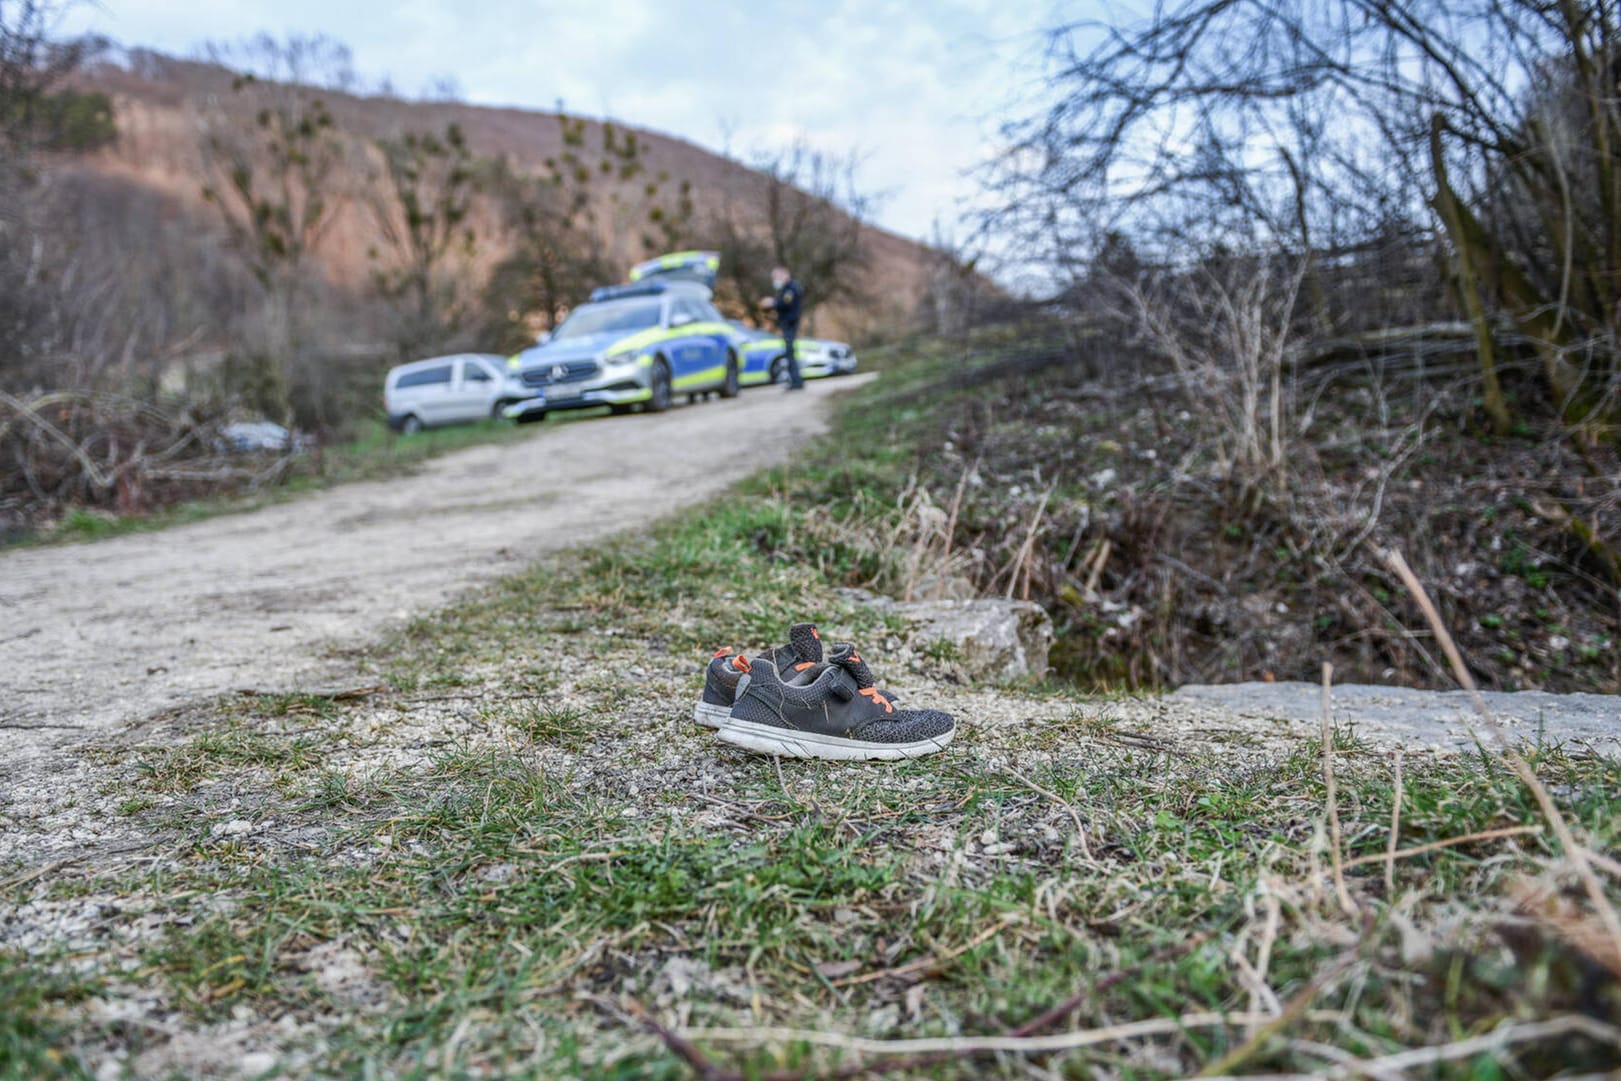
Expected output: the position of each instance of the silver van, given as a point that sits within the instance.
(449, 390)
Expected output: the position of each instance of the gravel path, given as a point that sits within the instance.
(95, 635)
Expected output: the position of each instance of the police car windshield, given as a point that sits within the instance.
(614, 316)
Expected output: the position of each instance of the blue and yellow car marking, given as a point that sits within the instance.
(702, 265)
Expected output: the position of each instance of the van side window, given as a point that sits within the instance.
(425, 377)
(473, 372)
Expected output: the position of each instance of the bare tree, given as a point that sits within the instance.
(34, 62)
(1225, 328)
(422, 214)
(735, 231)
(815, 215)
(610, 189)
(1312, 127)
(556, 256)
(276, 172)
(593, 211)
(956, 289)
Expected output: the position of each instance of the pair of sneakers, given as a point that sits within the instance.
(796, 702)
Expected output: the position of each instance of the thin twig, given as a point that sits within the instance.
(924, 964)
(1575, 853)
(683, 1048)
(710, 1071)
(1095, 574)
(29, 876)
(1335, 860)
(951, 530)
(1450, 842)
(1274, 1024)
(1496, 1040)
(1261, 993)
(1057, 1013)
(1074, 816)
(1395, 829)
(973, 1045)
(1022, 559)
(1603, 862)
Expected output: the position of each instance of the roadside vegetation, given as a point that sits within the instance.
(318, 230)
(1298, 359)
(508, 851)
(251, 480)
(1102, 484)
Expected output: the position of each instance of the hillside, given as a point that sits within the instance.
(160, 102)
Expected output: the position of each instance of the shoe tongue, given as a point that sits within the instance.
(806, 642)
(846, 657)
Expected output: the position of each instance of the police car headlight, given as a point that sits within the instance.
(620, 360)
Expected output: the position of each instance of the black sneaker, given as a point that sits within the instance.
(802, 653)
(838, 714)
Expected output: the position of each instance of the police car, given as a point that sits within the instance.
(765, 361)
(635, 345)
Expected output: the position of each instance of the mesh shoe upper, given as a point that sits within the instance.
(803, 652)
(806, 643)
(839, 701)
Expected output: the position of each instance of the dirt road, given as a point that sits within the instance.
(95, 635)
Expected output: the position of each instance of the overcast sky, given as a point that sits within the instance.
(917, 87)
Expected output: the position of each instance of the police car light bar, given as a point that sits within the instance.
(699, 266)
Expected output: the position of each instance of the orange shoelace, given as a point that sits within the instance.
(872, 693)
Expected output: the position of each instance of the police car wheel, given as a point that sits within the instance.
(779, 368)
(411, 425)
(730, 387)
(495, 410)
(662, 392)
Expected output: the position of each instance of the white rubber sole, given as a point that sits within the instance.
(768, 739)
(710, 715)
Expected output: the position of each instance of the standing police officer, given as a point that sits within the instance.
(786, 303)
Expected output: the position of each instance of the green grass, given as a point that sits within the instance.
(503, 889)
(32, 1039)
(525, 841)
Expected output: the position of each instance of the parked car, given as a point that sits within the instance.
(764, 359)
(630, 345)
(254, 436)
(761, 355)
(819, 357)
(448, 390)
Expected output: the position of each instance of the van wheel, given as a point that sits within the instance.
(495, 410)
(779, 368)
(411, 425)
(660, 386)
(730, 387)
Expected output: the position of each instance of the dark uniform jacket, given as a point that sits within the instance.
(789, 298)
